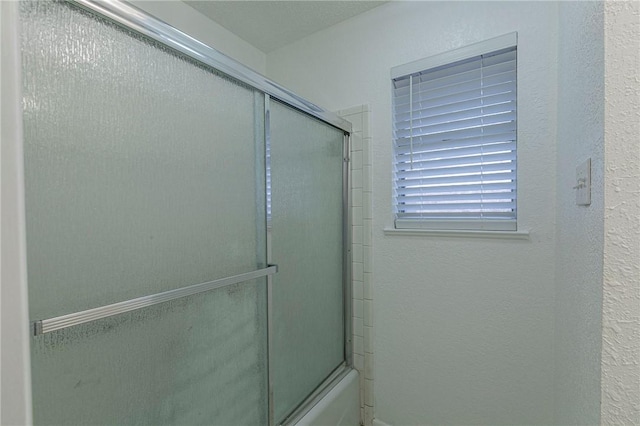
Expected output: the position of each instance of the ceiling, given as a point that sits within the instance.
(269, 25)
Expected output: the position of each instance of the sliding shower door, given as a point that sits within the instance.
(144, 174)
(307, 244)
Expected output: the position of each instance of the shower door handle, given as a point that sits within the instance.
(81, 317)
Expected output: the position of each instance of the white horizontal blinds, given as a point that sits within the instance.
(455, 144)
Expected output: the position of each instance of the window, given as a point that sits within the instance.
(454, 119)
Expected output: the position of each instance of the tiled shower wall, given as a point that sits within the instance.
(361, 254)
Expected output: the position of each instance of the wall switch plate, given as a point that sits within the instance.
(583, 183)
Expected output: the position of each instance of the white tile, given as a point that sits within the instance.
(358, 310)
(356, 216)
(356, 142)
(356, 160)
(368, 392)
(368, 314)
(365, 150)
(358, 272)
(367, 154)
(368, 366)
(358, 363)
(368, 340)
(367, 258)
(358, 348)
(367, 287)
(356, 232)
(356, 123)
(368, 416)
(366, 205)
(357, 251)
(358, 327)
(358, 291)
(366, 131)
(356, 198)
(364, 183)
(368, 278)
(356, 178)
(366, 236)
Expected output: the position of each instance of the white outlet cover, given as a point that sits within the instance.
(583, 183)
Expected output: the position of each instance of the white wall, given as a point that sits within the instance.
(621, 295)
(194, 23)
(463, 327)
(15, 376)
(579, 229)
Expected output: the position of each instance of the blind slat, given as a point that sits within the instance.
(479, 79)
(487, 101)
(476, 169)
(478, 197)
(423, 100)
(458, 207)
(443, 180)
(453, 116)
(454, 165)
(481, 82)
(487, 130)
(457, 215)
(475, 187)
(489, 149)
(439, 145)
(458, 125)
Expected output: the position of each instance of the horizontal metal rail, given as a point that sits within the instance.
(69, 320)
(138, 20)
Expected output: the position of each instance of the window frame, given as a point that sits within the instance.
(506, 41)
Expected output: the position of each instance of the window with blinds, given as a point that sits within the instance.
(455, 119)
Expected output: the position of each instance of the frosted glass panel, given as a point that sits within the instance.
(306, 244)
(140, 167)
(197, 361)
(144, 173)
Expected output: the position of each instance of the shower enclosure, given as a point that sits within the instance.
(186, 228)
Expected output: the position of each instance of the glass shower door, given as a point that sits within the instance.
(306, 243)
(144, 173)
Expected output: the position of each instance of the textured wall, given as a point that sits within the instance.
(621, 304)
(463, 327)
(579, 229)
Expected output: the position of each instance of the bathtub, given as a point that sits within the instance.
(339, 407)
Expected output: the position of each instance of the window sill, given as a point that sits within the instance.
(503, 235)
